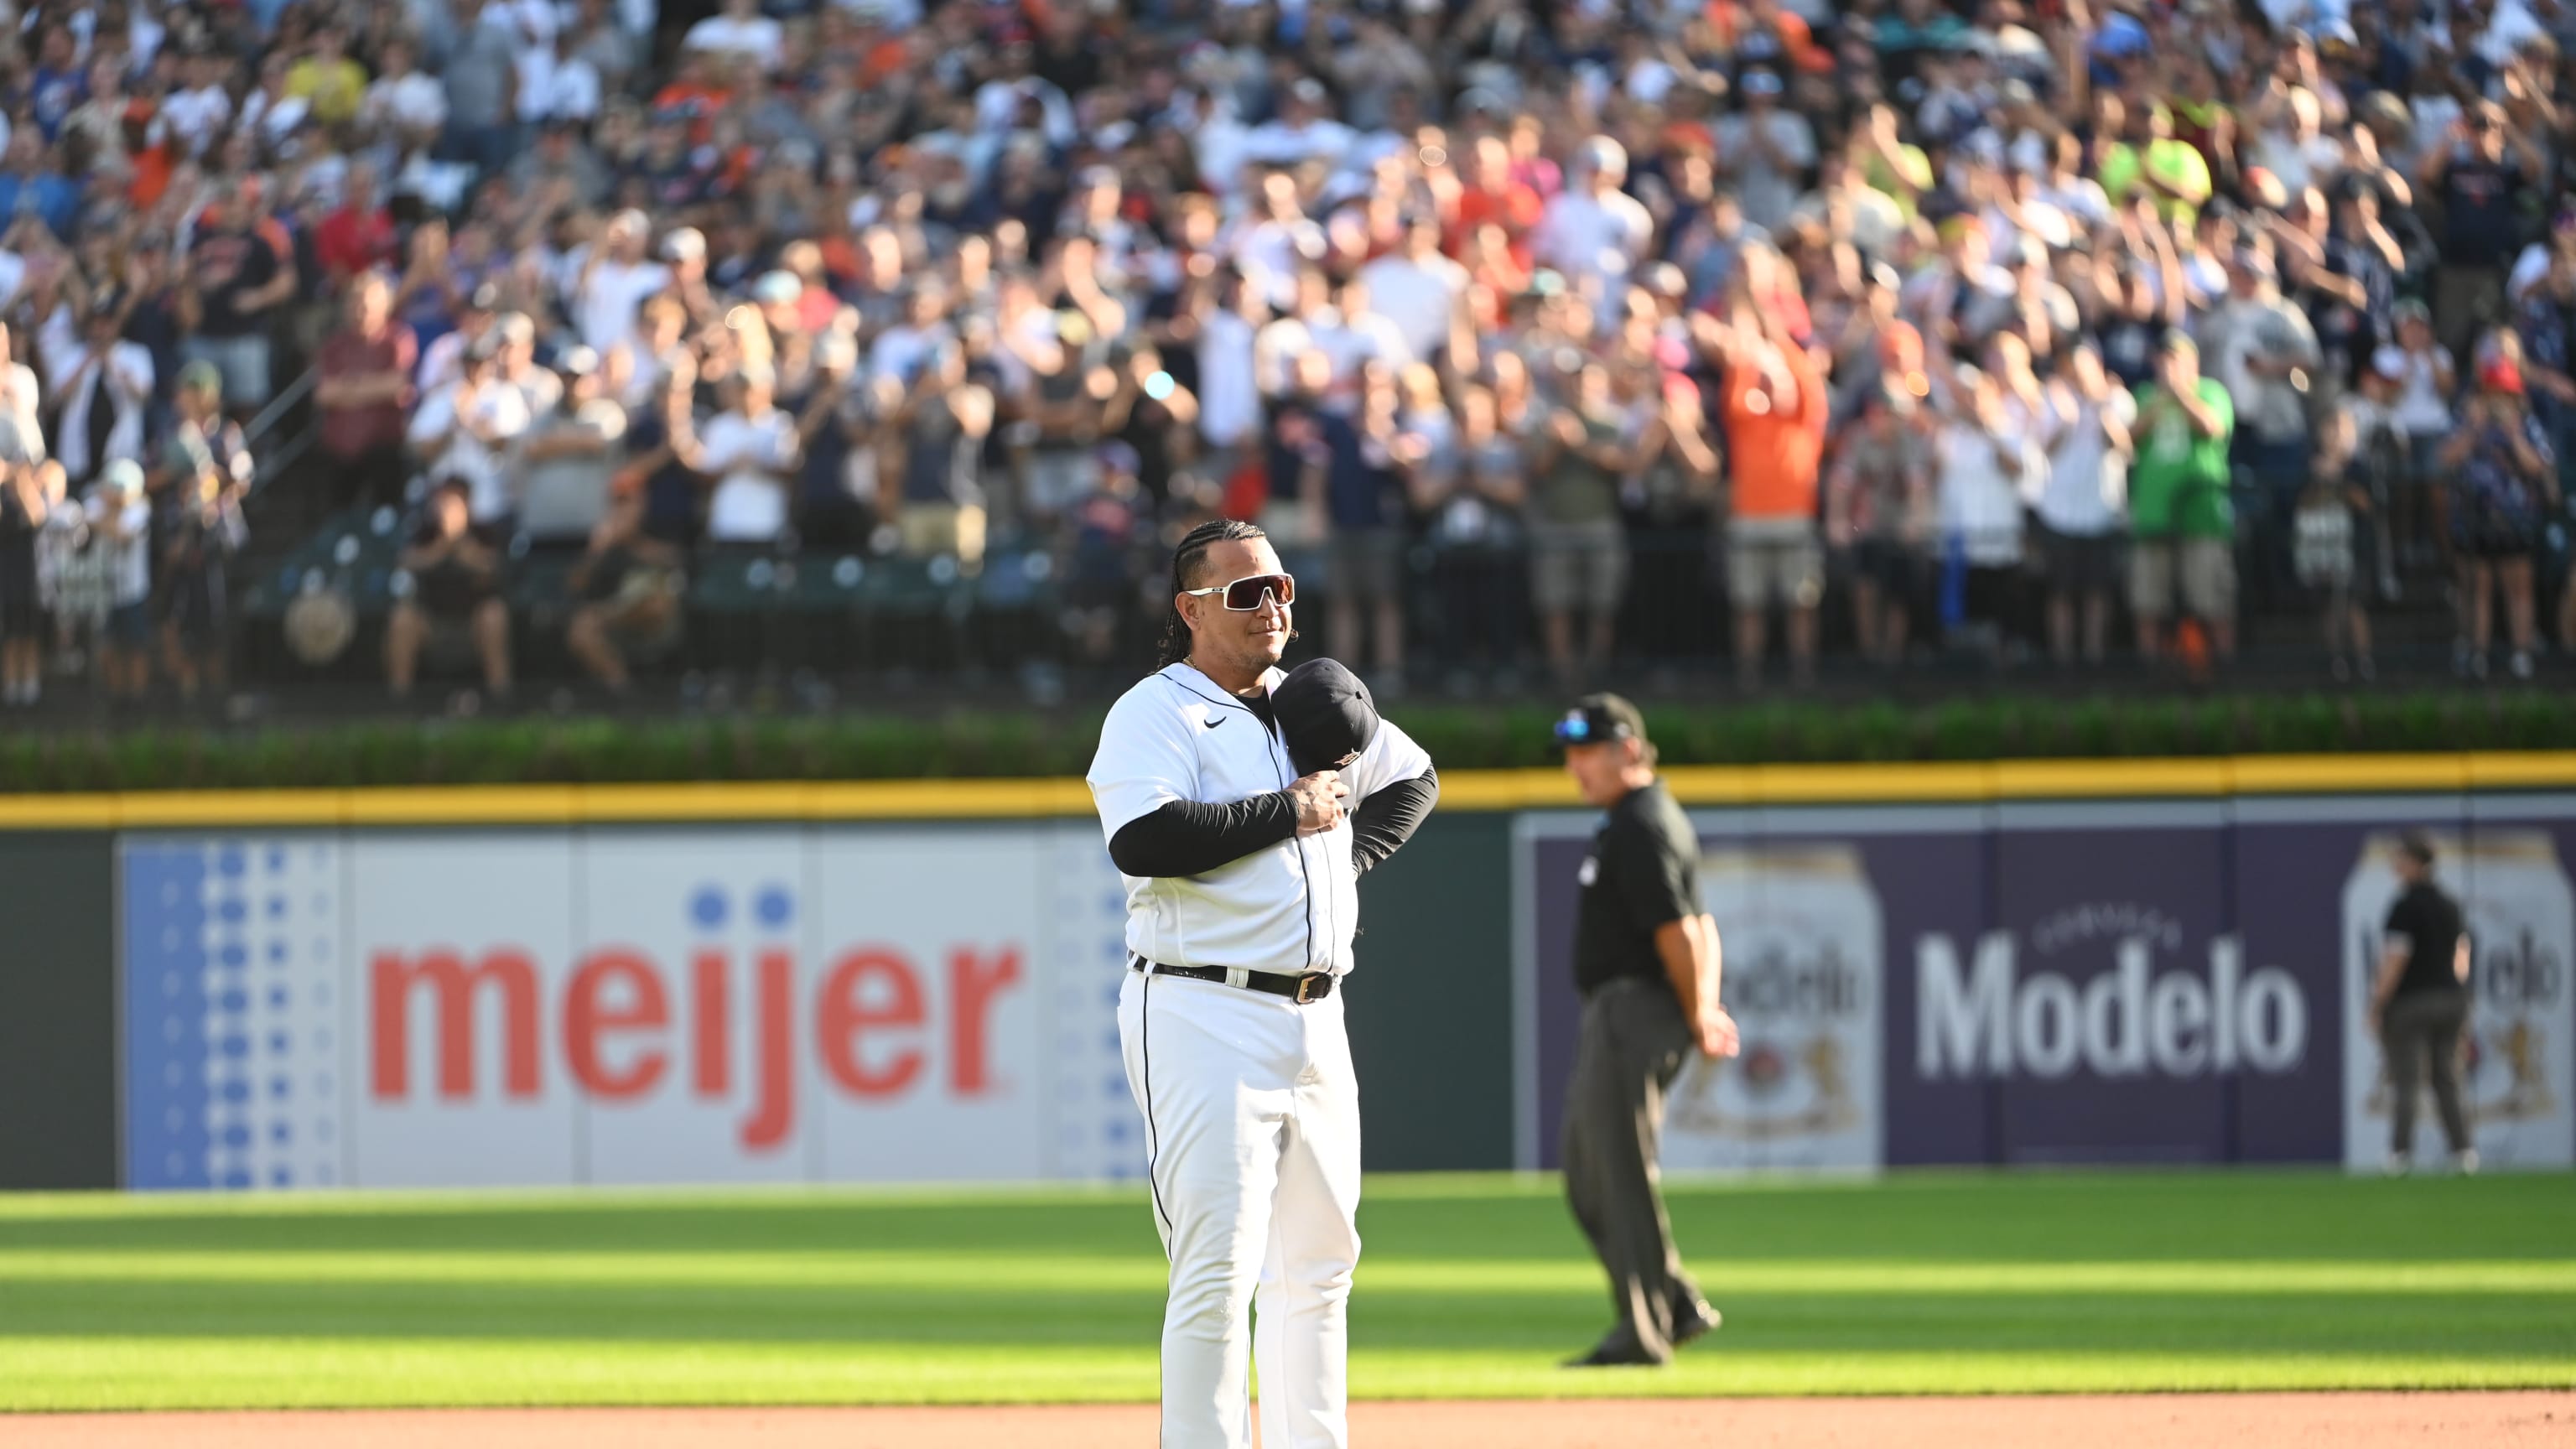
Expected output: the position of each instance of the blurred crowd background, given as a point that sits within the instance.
(469, 351)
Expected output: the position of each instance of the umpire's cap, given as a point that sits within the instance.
(1598, 719)
(1325, 714)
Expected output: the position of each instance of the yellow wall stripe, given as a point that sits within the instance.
(1745, 785)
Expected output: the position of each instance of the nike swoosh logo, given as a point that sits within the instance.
(1212, 723)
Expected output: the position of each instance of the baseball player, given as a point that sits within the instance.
(1242, 857)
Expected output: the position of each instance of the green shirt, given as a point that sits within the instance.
(2175, 163)
(2178, 485)
(1578, 490)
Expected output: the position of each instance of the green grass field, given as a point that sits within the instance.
(1471, 1287)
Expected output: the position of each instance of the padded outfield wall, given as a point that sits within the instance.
(2009, 964)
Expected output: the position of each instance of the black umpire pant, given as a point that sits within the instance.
(2421, 1029)
(1632, 1044)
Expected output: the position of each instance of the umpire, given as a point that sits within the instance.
(1646, 961)
(2419, 1003)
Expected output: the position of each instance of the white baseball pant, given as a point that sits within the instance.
(1252, 1135)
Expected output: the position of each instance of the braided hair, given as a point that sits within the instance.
(1185, 562)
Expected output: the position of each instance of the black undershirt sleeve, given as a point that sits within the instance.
(1186, 837)
(1388, 818)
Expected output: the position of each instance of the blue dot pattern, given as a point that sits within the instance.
(1094, 1130)
(225, 1023)
(167, 970)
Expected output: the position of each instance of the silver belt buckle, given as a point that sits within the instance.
(1307, 982)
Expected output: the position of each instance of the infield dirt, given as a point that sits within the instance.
(2507, 1420)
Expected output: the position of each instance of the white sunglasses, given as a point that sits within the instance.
(1245, 594)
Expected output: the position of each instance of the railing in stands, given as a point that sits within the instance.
(273, 462)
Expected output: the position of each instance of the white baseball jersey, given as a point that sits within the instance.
(1293, 907)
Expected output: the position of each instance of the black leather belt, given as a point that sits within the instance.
(1305, 988)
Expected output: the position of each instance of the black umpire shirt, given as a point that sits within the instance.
(1643, 873)
(2429, 921)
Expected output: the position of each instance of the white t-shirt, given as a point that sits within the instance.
(1291, 907)
(2421, 409)
(502, 410)
(195, 116)
(1980, 498)
(549, 87)
(2529, 270)
(1767, 192)
(1353, 342)
(1585, 236)
(750, 458)
(22, 429)
(2086, 479)
(1219, 144)
(901, 348)
(2316, 161)
(1269, 253)
(133, 552)
(1277, 143)
(273, 120)
(414, 102)
(1875, 216)
(1275, 350)
(1229, 400)
(1419, 298)
(607, 306)
(758, 37)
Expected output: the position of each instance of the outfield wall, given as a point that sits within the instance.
(889, 984)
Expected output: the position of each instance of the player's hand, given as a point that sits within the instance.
(1717, 1034)
(1318, 798)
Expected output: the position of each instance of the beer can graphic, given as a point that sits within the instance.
(2516, 1074)
(1801, 933)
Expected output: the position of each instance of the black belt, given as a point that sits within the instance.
(1305, 988)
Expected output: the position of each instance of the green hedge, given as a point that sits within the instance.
(986, 744)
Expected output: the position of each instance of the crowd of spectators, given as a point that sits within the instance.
(1534, 332)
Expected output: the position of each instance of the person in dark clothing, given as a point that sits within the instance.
(832, 421)
(205, 471)
(1646, 961)
(627, 590)
(2482, 191)
(2420, 1002)
(455, 598)
(22, 618)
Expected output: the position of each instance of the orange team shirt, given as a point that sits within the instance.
(1775, 457)
(700, 103)
(153, 167)
(1732, 22)
(1515, 208)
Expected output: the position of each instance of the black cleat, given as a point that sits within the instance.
(1616, 1354)
(1694, 1319)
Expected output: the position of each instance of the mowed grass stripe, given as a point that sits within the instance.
(316, 1373)
(1017, 1273)
(1967, 1283)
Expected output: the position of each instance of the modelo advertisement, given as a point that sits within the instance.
(623, 1006)
(2078, 983)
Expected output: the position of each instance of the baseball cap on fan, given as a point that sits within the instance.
(1325, 715)
(1599, 719)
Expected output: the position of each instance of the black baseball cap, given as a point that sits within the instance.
(1325, 715)
(1598, 719)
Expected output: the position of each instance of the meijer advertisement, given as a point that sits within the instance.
(624, 1006)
